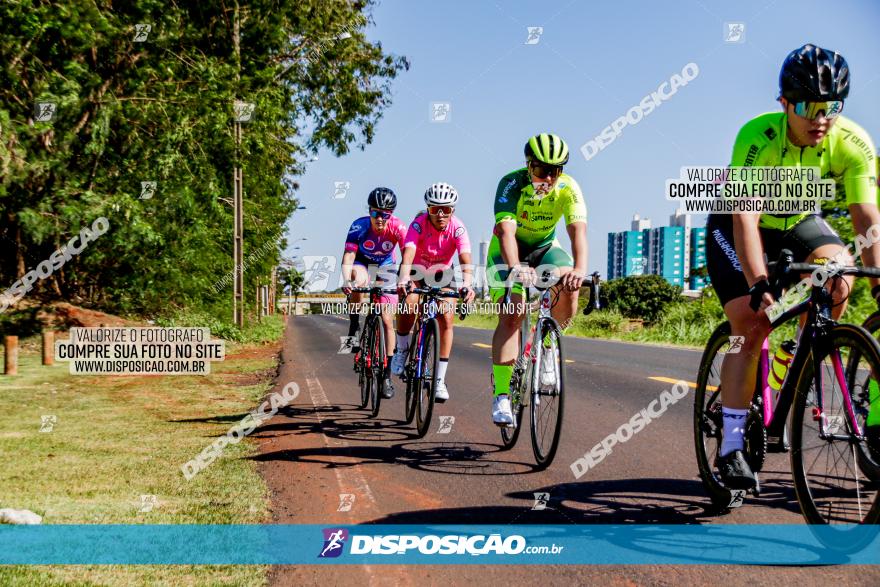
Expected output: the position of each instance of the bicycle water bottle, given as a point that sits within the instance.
(780, 364)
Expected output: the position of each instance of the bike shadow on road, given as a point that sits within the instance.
(622, 501)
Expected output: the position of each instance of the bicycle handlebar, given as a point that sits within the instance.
(384, 290)
(782, 270)
(593, 283)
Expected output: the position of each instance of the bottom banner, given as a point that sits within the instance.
(438, 544)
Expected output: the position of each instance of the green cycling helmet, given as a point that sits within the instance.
(547, 148)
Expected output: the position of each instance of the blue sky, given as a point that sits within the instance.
(592, 63)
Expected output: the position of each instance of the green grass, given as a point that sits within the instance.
(117, 438)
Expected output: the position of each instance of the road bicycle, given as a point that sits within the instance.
(371, 362)
(827, 388)
(538, 383)
(422, 357)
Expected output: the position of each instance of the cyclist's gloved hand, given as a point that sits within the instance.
(346, 287)
(875, 293)
(758, 293)
(467, 295)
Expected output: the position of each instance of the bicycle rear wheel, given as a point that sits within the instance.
(377, 365)
(830, 485)
(547, 387)
(708, 421)
(427, 381)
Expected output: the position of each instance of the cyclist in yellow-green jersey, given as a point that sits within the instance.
(529, 203)
(810, 132)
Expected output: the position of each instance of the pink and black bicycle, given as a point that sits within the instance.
(831, 392)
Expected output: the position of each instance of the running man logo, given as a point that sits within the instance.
(541, 500)
(734, 32)
(317, 272)
(141, 32)
(534, 33)
(736, 344)
(441, 112)
(346, 500)
(44, 111)
(334, 541)
(446, 423)
(47, 422)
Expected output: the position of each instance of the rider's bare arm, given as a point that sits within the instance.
(863, 217)
(577, 233)
(403, 276)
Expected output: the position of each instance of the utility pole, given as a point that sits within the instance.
(237, 198)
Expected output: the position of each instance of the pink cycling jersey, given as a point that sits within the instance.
(435, 249)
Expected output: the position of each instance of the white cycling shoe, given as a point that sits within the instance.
(388, 389)
(502, 415)
(548, 368)
(441, 394)
(398, 361)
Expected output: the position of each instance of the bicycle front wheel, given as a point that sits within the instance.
(427, 376)
(363, 373)
(547, 386)
(377, 366)
(825, 443)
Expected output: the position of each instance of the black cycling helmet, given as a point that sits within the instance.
(814, 74)
(382, 198)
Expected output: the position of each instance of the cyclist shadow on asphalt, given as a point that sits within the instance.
(623, 501)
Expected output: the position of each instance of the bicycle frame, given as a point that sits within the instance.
(419, 334)
(813, 335)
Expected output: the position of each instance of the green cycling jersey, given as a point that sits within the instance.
(536, 217)
(846, 155)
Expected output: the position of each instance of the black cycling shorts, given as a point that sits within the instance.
(724, 268)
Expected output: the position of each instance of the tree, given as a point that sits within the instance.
(159, 109)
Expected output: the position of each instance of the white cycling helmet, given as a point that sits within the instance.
(441, 194)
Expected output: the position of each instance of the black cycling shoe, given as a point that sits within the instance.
(735, 471)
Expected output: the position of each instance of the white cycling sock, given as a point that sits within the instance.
(441, 368)
(402, 342)
(734, 428)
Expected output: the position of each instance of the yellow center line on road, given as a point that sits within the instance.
(569, 361)
(689, 383)
(482, 345)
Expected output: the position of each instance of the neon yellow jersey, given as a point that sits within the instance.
(846, 155)
(536, 217)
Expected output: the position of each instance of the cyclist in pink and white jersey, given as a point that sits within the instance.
(431, 242)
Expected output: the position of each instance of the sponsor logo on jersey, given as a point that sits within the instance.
(751, 155)
(417, 227)
(369, 245)
(525, 215)
(770, 133)
(387, 246)
(459, 231)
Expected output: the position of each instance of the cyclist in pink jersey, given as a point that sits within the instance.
(431, 242)
(369, 260)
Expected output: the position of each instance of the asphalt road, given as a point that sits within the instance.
(324, 446)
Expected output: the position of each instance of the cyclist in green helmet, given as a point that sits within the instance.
(529, 202)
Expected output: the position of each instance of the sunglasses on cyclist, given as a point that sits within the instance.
(438, 210)
(543, 170)
(811, 110)
(383, 214)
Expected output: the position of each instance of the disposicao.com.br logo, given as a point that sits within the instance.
(450, 544)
